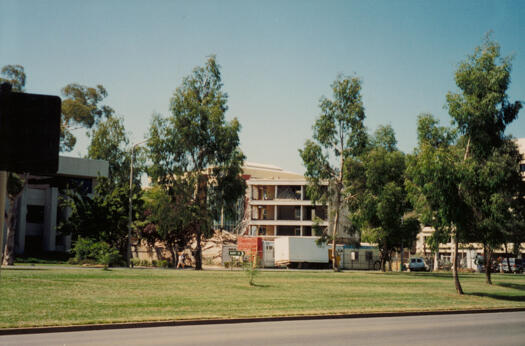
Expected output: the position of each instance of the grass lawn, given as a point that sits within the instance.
(58, 296)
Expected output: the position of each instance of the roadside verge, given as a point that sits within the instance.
(170, 323)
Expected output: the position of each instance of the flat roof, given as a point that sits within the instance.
(84, 168)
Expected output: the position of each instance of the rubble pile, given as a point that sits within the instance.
(212, 247)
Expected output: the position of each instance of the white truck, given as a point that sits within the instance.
(300, 252)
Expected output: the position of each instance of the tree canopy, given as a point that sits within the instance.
(81, 107)
(339, 134)
(195, 152)
(380, 208)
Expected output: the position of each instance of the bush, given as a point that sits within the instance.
(251, 269)
(163, 264)
(88, 250)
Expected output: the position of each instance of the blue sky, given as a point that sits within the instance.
(278, 58)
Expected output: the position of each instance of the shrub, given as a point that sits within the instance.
(251, 269)
(88, 250)
(163, 264)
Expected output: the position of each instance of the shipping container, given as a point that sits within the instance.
(300, 252)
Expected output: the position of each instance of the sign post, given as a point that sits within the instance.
(29, 138)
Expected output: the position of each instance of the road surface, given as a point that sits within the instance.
(465, 329)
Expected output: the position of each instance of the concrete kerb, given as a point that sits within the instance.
(173, 323)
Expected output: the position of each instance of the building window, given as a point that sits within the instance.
(307, 231)
(522, 167)
(297, 213)
(35, 214)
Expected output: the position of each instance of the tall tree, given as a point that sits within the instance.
(494, 190)
(110, 142)
(434, 176)
(14, 75)
(482, 111)
(167, 219)
(196, 151)
(104, 214)
(380, 207)
(81, 107)
(340, 134)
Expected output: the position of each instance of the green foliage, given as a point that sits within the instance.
(103, 216)
(166, 219)
(482, 110)
(384, 137)
(81, 108)
(86, 249)
(251, 268)
(195, 152)
(339, 135)
(434, 176)
(380, 207)
(110, 142)
(14, 75)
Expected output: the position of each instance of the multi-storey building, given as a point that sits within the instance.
(276, 203)
(39, 212)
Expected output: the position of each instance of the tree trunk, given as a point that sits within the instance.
(383, 260)
(508, 259)
(173, 254)
(455, 275)
(198, 250)
(334, 234)
(336, 226)
(401, 260)
(9, 251)
(436, 260)
(200, 199)
(487, 254)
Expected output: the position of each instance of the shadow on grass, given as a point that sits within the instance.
(520, 287)
(498, 296)
(259, 285)
(24, 268)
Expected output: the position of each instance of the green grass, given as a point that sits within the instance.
(57, 296)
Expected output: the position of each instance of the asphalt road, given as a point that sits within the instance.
(467, 329)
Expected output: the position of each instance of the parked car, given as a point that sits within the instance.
(516, 265)
(417, 264)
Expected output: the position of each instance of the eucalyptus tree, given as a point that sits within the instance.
(104, 215)
(195, 152)
(110, 142)
(167, 219)
(380, 207)
(14, 75)
(482, 110)
(339, 136)
(434, 176)
(81, 108)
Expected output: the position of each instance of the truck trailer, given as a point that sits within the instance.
(300, 252)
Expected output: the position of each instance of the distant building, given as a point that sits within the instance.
(276, 204)
(38, 208)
